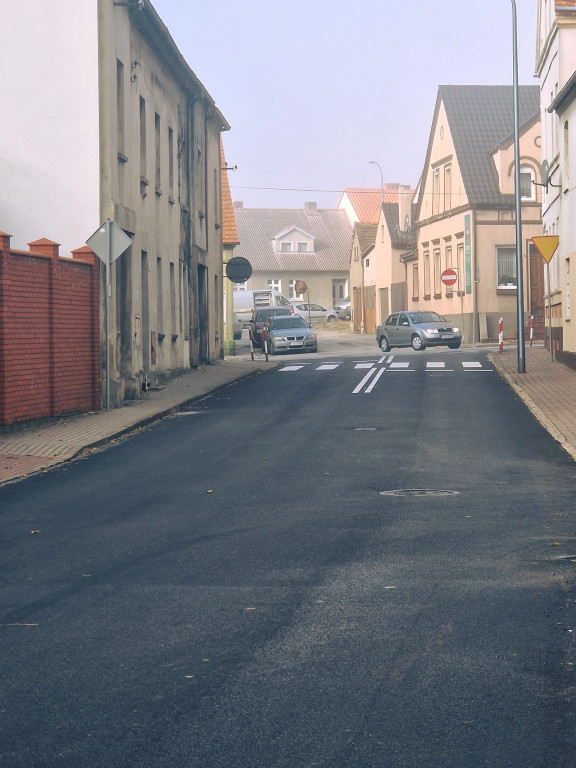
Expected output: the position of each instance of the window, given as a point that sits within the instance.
(448, 256)
(567, 290)
(157, 184)
(159, 306)
(527, 188)
(142, 138)
(506, 267)
(447, 188)
(172, 300)
(566, 178)
(415, 282)
(426, 260)
(171, 164)
(273, 283)
(285, 247)
(437, 272)
(435, 192)
(120, 106)
(302, 247)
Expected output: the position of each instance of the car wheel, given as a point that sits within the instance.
(417, 343)
(454, 346)
(384, 346)
(331, 318)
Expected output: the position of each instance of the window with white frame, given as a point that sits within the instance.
(527, 187)
(437, 272)
(426, 261)
(285, 247)
(302, 247)
(274, 283)
(506, 267)
(448, 257)
(415, 282)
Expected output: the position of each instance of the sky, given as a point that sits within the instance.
(315, 89)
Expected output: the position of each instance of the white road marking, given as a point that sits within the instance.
(474, 364)
(291, 368)
(363, 365)
(364, 381)
(399, 366)
(435, 365)
(374, 381)
(328, 367)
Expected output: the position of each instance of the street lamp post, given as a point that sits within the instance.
(373, 162)
(519, 270)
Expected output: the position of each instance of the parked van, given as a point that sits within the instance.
(246, 301)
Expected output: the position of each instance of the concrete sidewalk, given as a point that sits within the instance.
(547, 388)
(39, 447)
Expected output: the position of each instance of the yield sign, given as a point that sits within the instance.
(449, 277)
(109, 242)
(546, 245)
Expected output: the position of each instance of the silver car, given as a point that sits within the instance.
(290, 332)
(342, 309)
(417, 330)
(314, 313)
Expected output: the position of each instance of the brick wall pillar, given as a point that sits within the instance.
(4, 255)
(49, 248)
(86, 255)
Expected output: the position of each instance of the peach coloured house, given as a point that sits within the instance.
(465, 212)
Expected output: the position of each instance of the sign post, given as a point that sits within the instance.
(108, 243)
(547, 246)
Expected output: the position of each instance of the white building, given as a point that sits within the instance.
(556, 68)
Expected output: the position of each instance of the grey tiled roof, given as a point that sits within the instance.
(366, 235)
(257, 228)
(481, 117)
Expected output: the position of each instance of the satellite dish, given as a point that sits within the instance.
(545, 173)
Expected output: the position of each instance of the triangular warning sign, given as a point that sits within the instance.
(547, 245)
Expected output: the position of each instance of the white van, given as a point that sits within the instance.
(246, 301)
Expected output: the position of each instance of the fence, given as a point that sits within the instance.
(49, 332)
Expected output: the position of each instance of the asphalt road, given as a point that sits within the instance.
(326, 565)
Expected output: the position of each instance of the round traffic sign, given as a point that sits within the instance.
(238, 269)
(449, 277)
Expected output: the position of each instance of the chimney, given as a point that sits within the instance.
(238, 204)
(404, 206)
(311, 207)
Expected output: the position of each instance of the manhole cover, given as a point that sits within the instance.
(419, 492)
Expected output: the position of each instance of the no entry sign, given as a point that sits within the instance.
(449, 277)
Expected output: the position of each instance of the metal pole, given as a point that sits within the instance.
(519, 269)
(108, 256)
(549, 312)
(373, 162)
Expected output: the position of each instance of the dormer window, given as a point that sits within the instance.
(302, 247)
(285, 247)
(294, 240)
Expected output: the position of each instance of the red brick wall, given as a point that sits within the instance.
(49, 332)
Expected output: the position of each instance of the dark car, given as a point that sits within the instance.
(290, 333)
(417, 330)
(259, 317)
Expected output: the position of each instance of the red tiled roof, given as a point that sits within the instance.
(566, 3)
(366, 202)
(229, 230)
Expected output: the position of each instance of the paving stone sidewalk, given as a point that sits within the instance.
(547, 388)
(39, 447)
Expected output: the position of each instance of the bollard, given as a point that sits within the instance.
(251, 343)
(265, 343)
(531, 328)
(500, 336)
